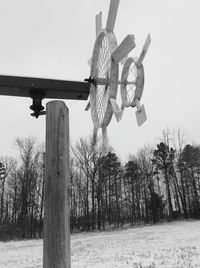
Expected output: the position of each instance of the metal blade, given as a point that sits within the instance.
(112, 14)
(144, 50)
(116, 109)
(98, 23)
(124, 48)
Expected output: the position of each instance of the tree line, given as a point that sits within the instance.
(22, 191)
(158, 183)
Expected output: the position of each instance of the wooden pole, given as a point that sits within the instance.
(56, 248)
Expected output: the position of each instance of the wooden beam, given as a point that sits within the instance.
(51, 88)
(56, 246)
(144, 50)
(98, 23)
(124, 48)
(112, 14)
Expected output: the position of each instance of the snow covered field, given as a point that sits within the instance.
(175, 244)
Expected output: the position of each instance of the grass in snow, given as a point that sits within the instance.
(173, 245)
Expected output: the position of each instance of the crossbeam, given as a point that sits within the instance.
(50, 88)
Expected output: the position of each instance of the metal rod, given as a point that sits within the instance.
(106, 82)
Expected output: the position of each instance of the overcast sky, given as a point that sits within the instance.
(55, 38)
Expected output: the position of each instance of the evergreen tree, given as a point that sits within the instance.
(163, 157)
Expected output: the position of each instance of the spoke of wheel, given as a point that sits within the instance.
(99, 112)
(104, 51)
(131, 93)
(100, 67)
(130, 88)
(103, 63)
(100, 59)
(101, 115)
(132, 70)
(100, 104)
(102, 54)
(102, 96)
(101, 73)
(100, 93)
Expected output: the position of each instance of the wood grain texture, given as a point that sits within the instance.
(124, 48)
(51, 88)
(56, 248)
(144, 50)
(98, 23)
(112, 14)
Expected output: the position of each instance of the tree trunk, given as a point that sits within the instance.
(2, 199)
(170, 209)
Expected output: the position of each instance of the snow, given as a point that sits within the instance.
(175, 244)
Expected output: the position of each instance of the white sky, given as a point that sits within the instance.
(54, 39)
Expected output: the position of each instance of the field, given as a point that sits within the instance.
(175, 244)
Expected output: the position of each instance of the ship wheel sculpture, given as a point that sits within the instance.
(104, 74)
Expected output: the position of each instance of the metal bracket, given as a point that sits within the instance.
(37, 97)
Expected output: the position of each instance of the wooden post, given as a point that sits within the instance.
(56, 248)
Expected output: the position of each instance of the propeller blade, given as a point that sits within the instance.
(124, 60)
(144, 51)
(124, 48)
(98, 23)
(140, 113)
(112, 14)
(87, 106)
(116, 109)
(105, 140)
